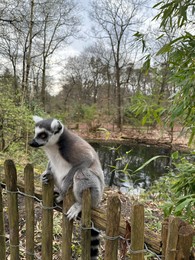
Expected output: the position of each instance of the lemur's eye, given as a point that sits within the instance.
(42, 135)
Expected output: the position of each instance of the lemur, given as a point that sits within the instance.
(72, 162)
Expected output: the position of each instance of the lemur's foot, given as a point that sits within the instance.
(59, 198)
(74, 211)
(46, 177)
(56, 190)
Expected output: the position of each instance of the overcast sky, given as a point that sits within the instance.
(78, 45)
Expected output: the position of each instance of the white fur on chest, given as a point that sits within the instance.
(60, 167)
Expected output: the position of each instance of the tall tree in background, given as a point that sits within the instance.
(59, 24)
(30, 33)
(10, 38)
(27, 50)
(16, 34)
(116, 22)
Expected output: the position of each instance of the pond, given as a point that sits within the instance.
(120, 162)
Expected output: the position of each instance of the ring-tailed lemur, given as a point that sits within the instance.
(72, 162)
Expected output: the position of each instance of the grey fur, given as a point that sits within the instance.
(72, 162)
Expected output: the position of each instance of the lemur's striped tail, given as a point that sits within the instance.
(95, 241)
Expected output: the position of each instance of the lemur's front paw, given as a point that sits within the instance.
(46, 176)
(74, 211)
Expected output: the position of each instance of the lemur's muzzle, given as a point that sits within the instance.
(33, 143)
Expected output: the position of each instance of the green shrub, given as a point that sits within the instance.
(177, 189)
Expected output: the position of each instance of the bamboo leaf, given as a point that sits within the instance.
(166, 48)
(182, 205)
(149, 161)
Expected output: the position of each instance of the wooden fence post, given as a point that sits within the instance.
(86, 223)
(12, 201)
(47, 220)
(67, 227)
(112, 228)
(186, 233)
(177, 238)
(29, 209)
(164, 235)
(172, 238)
(2, 230)
(137, 232)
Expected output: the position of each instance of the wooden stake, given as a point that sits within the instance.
(186, 233)
(112, 228)
(171, 248)
(29, 209)
(12, 201)
(47, 221)
(164, 234)
(67, 227)
(86, 223)
(2, 230)
(137, 232)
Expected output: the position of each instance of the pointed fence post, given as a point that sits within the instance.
(2, 229)
(67, 227)
(164, 234)
(29, 209)
(137, 232)
(86, 225)
(47, 220)
(185, 241)
(12, 201)
(112, 228)
(172, 238)
(177, 239)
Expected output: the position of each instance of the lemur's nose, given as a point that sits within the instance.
(33, 143)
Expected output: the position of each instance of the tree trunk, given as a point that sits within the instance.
(28, 58)
(43, 87)
(118, 92)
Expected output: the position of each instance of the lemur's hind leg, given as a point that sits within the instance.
(84, 179)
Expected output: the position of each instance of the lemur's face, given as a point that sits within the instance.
(47, 132)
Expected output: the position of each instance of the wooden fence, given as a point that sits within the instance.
(135, 241)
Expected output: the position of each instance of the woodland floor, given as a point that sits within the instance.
(176, 139)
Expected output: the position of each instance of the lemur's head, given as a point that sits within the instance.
(47, 132)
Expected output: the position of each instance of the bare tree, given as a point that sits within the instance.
(9, 38)
(60, 23)
(116, 22)
(31, 32)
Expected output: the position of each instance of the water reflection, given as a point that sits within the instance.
(120, 161)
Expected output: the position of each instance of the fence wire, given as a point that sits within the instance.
(56, 206)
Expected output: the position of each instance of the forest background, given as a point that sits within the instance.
(137, 70)
(124, 76)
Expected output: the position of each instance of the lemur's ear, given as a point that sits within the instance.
(37, 119)
(56, 126)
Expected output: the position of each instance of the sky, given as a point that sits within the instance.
(78, 45)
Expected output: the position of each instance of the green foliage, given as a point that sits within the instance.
(178, 188)
(149, 161)
(15, 119)
(16, 125)
(89, 112)
(146, 109)
(176, 14)
(82, 113)
(183, 63)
